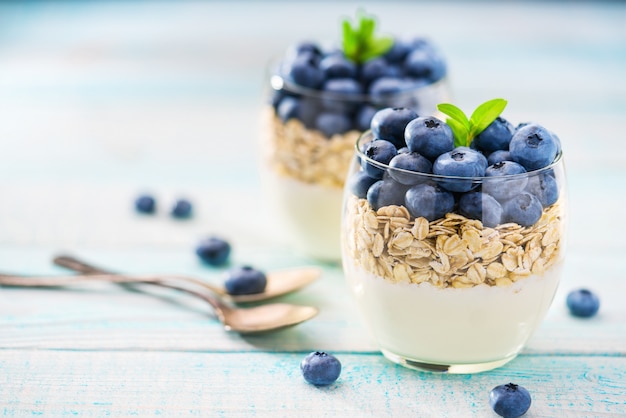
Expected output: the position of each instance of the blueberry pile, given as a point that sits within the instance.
(333, 94)
(486, 180)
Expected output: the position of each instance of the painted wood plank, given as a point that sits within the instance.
(166, 320)
(54, 383)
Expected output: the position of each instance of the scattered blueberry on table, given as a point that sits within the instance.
(510, 400)
(145, 204)
(320, 368)
(213, 251)
(245, 281)
(583, 303)
(182, 209)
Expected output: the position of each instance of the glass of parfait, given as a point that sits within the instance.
(320, 100)
(454, 258)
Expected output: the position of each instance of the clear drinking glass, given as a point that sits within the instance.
(451, 294)
(305, 162)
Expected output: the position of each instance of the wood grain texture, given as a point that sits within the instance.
(199, 384)
(102, 100)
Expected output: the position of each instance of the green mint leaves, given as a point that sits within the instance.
(359, 41)
(464, 129)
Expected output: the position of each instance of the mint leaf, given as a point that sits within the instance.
(377, 48)
(457, 121)
(460, 132)
(360, 42)
(465, 130)
(454, 112)
(485, 114)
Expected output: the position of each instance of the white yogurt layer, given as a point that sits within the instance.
(311, 212)
(427, 324)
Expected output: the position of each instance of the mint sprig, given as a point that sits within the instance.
(464, 129)
(360, 42)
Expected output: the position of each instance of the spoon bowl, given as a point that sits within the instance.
(266, 318)
(279, 283)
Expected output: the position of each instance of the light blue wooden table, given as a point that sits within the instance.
(99, 101)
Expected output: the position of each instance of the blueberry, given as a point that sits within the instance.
(339, 94)
(213, 251)
(381, 151)
(309, 110)
(510, 400)
(460, 162)
(523, 209)
(389, 124)
(481, 206)
(320, 368)
(373, 69)
(245, 281)
(337, 66)
(496, 136)
(333, 123)
(385, 193)
(429, 137)
(545, 188)
(583, 303)
(533, 147)
(182, 209)
(145, 204)
(288, 108)
(307, 47)
(501, 185)
(386, 91)
(363, 118)
(429, 201)
(425, 63)
(410, 161)
(360, 183)
(498, 156)
(398, 51)
(304, 72)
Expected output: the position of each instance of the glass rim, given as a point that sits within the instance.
(278, 81)
(478, 179)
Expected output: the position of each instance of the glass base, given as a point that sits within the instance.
(446, 368)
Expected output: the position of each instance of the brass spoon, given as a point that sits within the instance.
(279, 282)
(265, 318)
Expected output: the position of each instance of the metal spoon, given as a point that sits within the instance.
(279, 282)
(265, 318)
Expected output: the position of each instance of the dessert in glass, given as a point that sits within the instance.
(453, 244)
(321, 100)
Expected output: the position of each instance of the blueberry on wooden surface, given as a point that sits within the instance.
(182, 209)
(583, 303)
(510, 400)
(245, 281)
(320, 368)
(145, 204)
(213, 251)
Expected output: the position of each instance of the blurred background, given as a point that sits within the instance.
(100, 100)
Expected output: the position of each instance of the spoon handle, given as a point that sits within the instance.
(81, 266)
(56, 281)
(72, 263)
